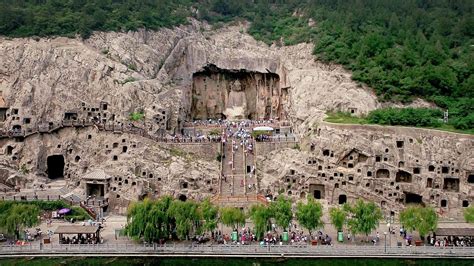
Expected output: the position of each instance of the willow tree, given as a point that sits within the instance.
(309, 215)
(138, 219)
(209, 213)
(149, 219)
(232, 217)
(186, 215)
(281, 209)
(260, 216)
(15, 217)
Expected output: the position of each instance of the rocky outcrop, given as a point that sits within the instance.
(54, 91)
(391, 166)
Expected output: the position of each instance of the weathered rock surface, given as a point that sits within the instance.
(46, 83)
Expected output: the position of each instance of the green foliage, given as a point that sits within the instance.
(186, 215)
(344, 117)
(24, 169)
(17, 216)
(232, 217)
(129, 79)
(150, 216)
(43, 205)
(402, 49)
(78, 214)
(215, 132)
(209, 214)
(52, 17)
(419, 117)
(281, 210)
(469, 214)
(338, 217)
(260, 216)
(364, 217)
(309, 215)
(418, 218)
(136, 116)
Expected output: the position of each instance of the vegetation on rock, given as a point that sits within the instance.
(402, 49)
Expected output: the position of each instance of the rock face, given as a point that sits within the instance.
(237, 95)
(70, 107)
(392, 166)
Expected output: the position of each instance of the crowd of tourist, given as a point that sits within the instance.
(226, 123)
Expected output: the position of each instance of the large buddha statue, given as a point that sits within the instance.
(236, 107)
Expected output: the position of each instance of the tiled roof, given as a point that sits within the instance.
(97, 175)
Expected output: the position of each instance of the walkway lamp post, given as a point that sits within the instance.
(385, 234)
(389, 234)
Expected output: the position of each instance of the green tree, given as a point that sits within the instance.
(309, 215)
(209, 214)
(469, 214)
(186, 216)
(149, 220)
(338, 217)
(364, 217)
(15, 217)
(418, 218)
(281, 209)
(232, 217)
(260, 216)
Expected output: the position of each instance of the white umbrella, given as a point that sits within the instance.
(263, 129)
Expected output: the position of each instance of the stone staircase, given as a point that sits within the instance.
(226, 188)
(239, 172)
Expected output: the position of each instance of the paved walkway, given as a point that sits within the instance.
(291, 251)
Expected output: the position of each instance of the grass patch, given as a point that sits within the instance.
(136, 116)
(344, 118)
(347, 118)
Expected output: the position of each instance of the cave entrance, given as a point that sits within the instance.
(236, 94)
(342, 199)
(413, 198)
(317, 191)
(97, 190)
(55, 165)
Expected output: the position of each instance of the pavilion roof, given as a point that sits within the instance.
(76, 229)
(97, 175)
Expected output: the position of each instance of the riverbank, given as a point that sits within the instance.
(129, 261)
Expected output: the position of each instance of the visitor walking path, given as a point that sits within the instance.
(193, 250)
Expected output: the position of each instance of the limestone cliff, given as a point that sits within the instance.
(52, 82)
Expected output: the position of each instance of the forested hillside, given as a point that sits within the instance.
(401, 48)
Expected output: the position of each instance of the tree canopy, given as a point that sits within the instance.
(154, 220)
(469, 214)
(231, 216)
(402, 49)
(418, 218)
(17, 216)
(261, 217)
(364, 216)
(338, 217)
(281, 209)
(310, 215)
